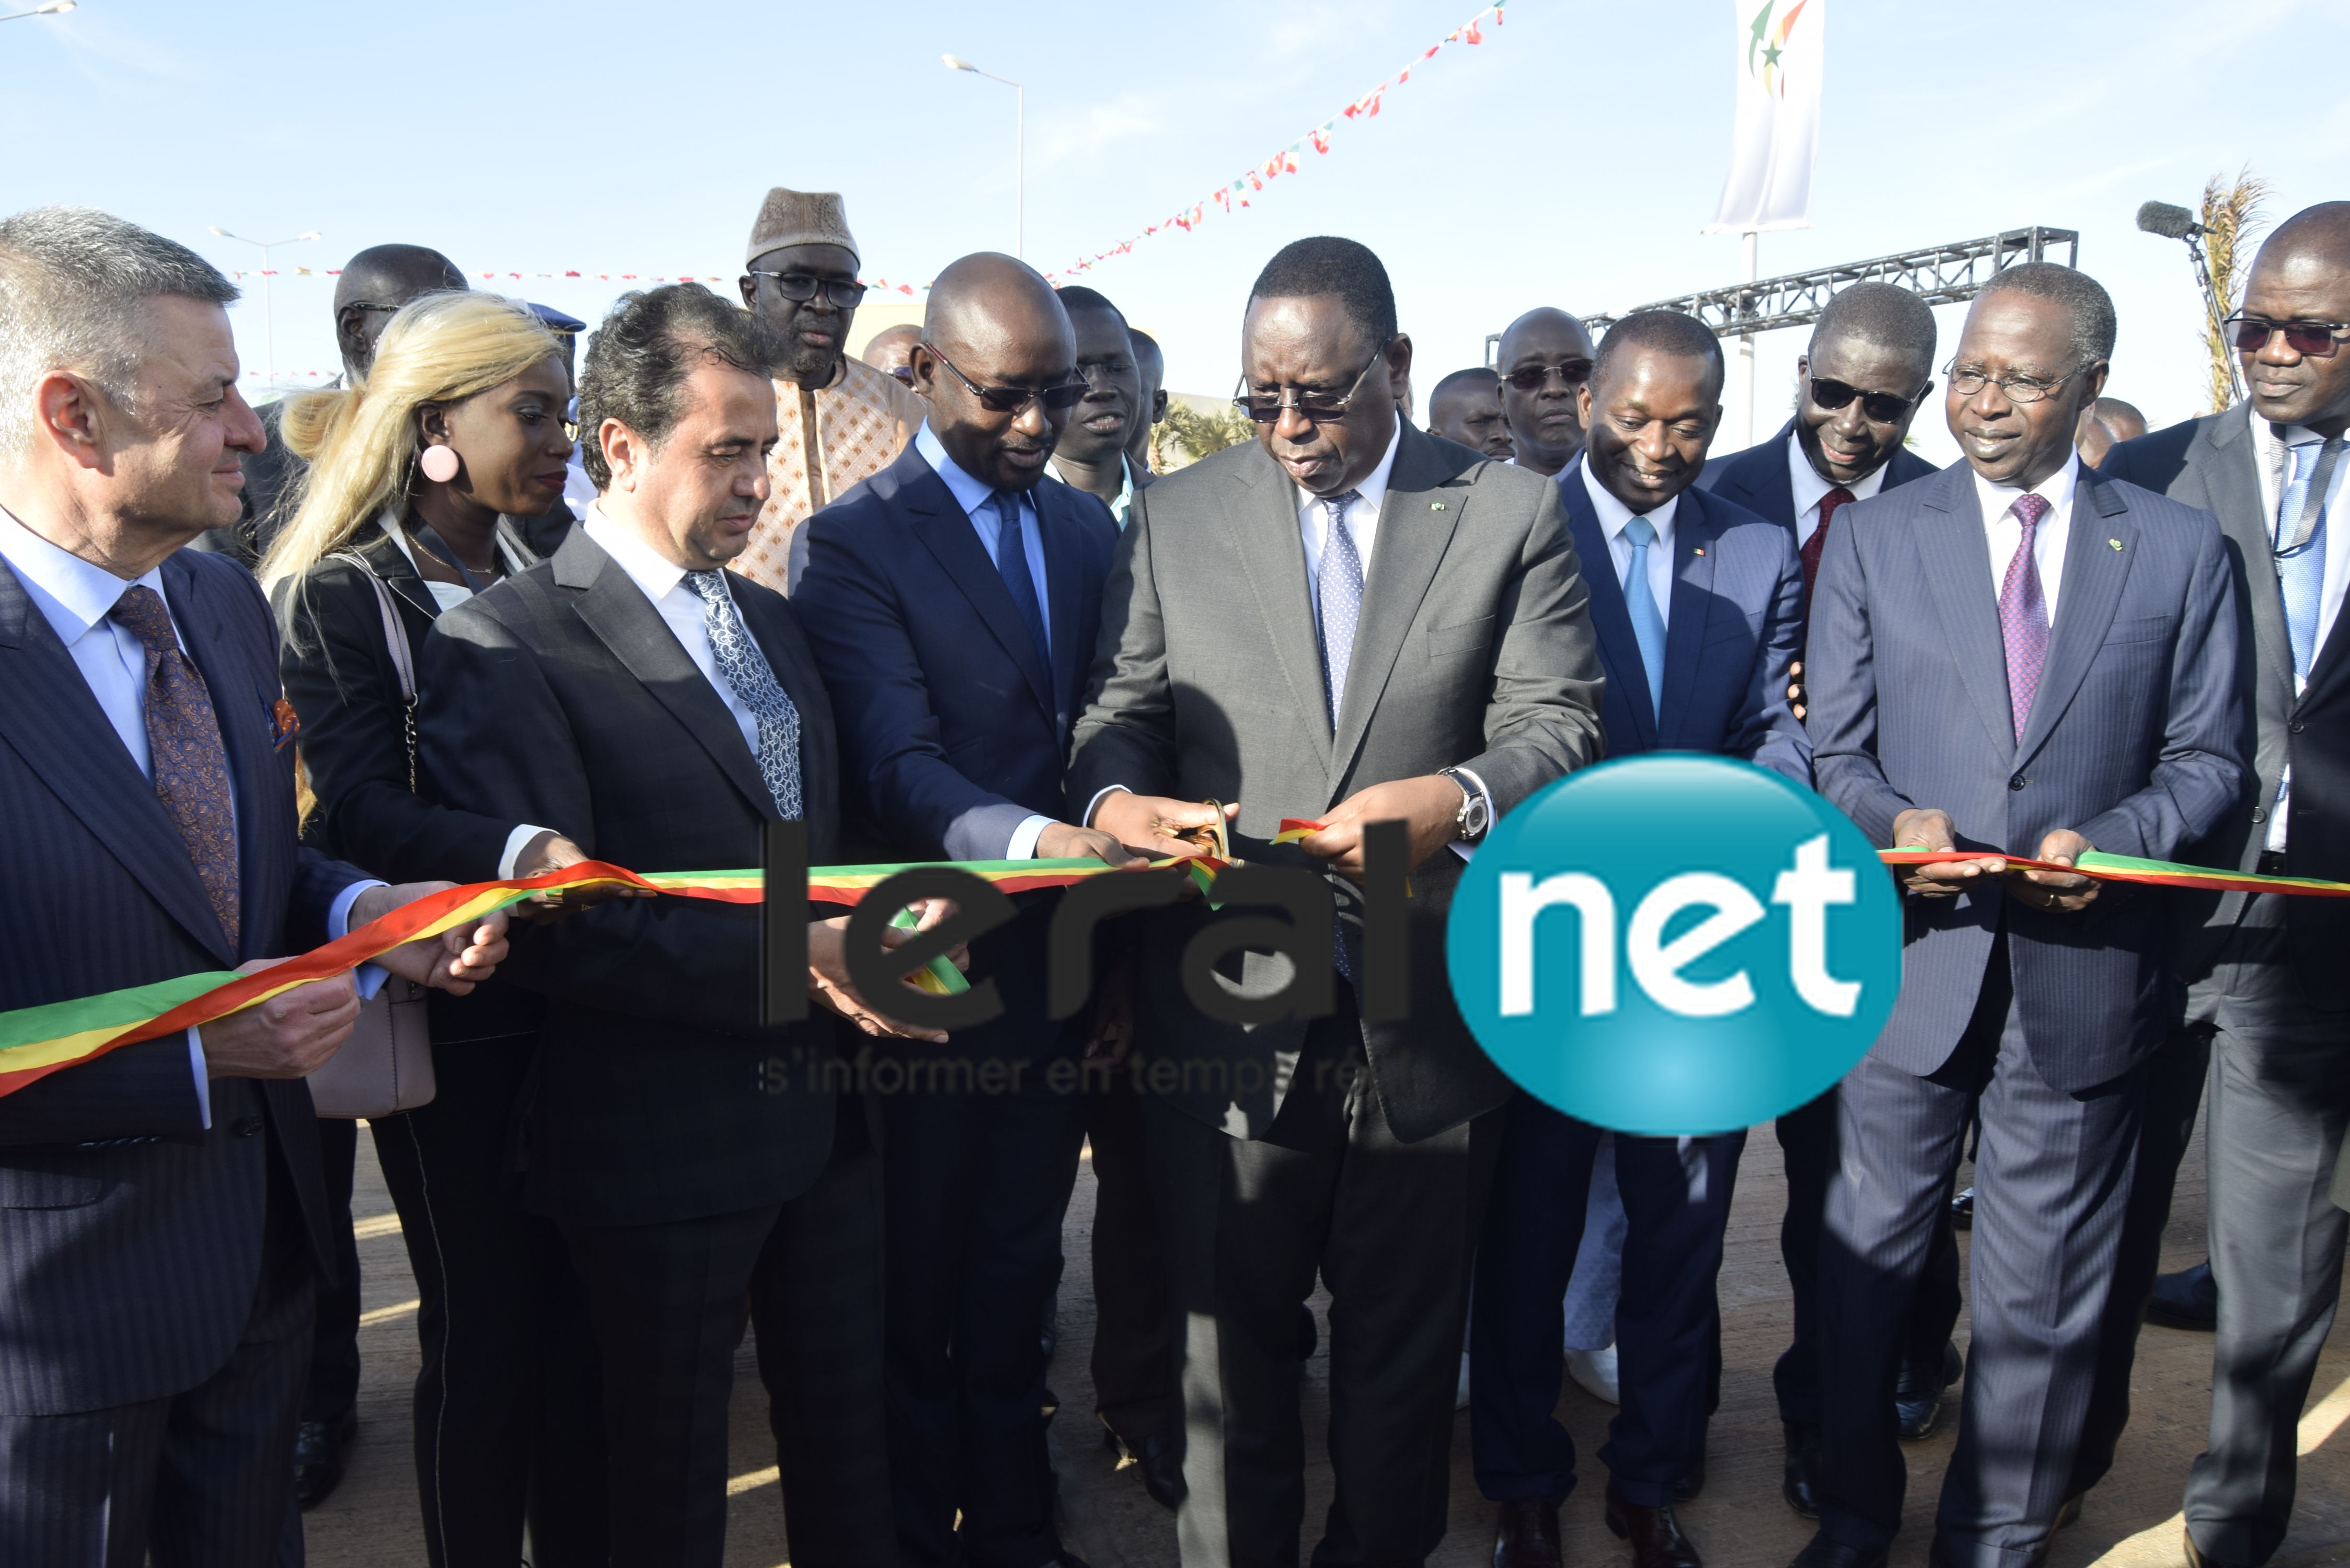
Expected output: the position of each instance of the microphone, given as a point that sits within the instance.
(2171, 223)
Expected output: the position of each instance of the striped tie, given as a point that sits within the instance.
(2024, 612)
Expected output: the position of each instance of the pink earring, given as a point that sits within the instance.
(439, 463)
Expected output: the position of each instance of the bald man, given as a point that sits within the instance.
(1545, 357)
(889, 350)
(953, 601)
(1466, 407)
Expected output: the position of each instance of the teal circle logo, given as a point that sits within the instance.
(1675, 945)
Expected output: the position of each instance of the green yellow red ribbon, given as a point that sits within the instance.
(2104, 868)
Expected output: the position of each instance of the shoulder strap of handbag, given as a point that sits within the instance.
(403, 662)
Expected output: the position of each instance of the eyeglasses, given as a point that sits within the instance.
(1317, 407)
(2016, 388)
(1012, 400)
(800, 287)
(1535, 377)
(2310, 339)
(364, 304)
(1882, 406)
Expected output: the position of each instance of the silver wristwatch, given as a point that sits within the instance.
(1475, 817)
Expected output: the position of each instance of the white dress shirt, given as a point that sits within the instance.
(977, 499)
(1362, 515)
(1613, 517)
(2272, 455)
(680, 608)
(2005, 530)
(1811, 488)
(77, 597)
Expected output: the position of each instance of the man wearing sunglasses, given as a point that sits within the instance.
(1349, 621)
(2268, 1004)
(1543, 358)
(1862, 378)
(840, 419)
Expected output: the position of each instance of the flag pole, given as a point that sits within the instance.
(1748, 274)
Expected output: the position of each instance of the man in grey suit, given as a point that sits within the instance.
(2267, 1003)
(2015, 656)
(1350, 620)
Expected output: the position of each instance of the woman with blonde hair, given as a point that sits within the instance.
(441, 475)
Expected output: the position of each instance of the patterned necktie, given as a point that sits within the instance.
(1012, 560)
(1810, 552)
(747, 672)
(2024, 612)
(185, 752)
(1640, 604)
(2301, 563)
(1338, 592)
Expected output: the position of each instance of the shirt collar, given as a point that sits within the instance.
(2057, 490)
(2274, 441)
(1811, 488)
(646, 566)
(1374, 487)
(1613, 514)
(75, 595)
(973, 495)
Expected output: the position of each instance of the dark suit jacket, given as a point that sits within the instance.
(562, 697)
(2132, 741)
(1758, 480)
(2209, 463)
(1474, 650)
(1730, 635)
(953, 730)
(130, 1237)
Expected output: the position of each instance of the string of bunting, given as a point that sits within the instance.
(882, 284)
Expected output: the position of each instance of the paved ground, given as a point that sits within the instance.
(2130, 1521)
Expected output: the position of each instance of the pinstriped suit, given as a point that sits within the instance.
(2044, 1018)
(135, 1245)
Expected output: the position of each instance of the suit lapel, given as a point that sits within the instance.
(1771, 491)
(1955, 557)
(1619, 648)
(945, 530)
(2093, 574)
(49, 717)
(1416, 523)
(2230, 465)
(240, 698)
(1694, 560)
(1266, 542)
(612, 606)
(1062, 611)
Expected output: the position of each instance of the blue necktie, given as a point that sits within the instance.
(2300, 564)
(1012, 560)
(1339, 593)
(745, 671)
(1640, 604)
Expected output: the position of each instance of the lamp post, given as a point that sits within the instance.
(268, 296)
(1019, 147)
(53, 8)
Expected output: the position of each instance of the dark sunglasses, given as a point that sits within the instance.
(1012, 400)
(2310, 339)
(1317, 407)
(799, 288)
(1535, 377)
(1884, 408)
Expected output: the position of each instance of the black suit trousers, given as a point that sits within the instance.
(1134, 1351)
(335, 1336)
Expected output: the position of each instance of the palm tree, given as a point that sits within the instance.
(2231, 216)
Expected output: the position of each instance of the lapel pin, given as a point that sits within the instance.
(2116, 543)
(1699, 551)
(1436, 506)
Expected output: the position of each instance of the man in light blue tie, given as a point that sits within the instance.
(1698, 609)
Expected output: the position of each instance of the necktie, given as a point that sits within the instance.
(1640, 604)
(1810, 552)
(746, 671)
(2024, 612)
(1338, 591)
(184, 752)
(2301, 563)
(1012, 560)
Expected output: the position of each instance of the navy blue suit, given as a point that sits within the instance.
(1730, 633)
(148, 1264)
(1759, 479)
(953, 731)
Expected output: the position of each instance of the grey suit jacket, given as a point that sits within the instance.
(2133, 741)
(1475, 650)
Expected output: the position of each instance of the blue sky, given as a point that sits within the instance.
(1569, 161)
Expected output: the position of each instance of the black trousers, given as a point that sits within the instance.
(1134, 1353)
(667, 1302)
(507, 1408)
(1809, 1143)
(334, 1383)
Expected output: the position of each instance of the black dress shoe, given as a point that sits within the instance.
(1919, 1395)
(1686, 1488)
(1154, 1457)
(1528, 1536)
(2189, 1299)
(1801, 1484)
(1962, 1210)
(1822, 1552)
(1655, 1534)
(318, 1457)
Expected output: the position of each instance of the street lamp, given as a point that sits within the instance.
(2176, 223)
(1019, 147)
(53, 8)
(268, 300)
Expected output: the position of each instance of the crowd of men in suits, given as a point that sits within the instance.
(995, 635)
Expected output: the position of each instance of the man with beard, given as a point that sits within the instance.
(1092, 450)
(1545, 357)
(840, 420)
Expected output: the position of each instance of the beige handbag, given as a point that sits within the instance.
(386, 1067)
